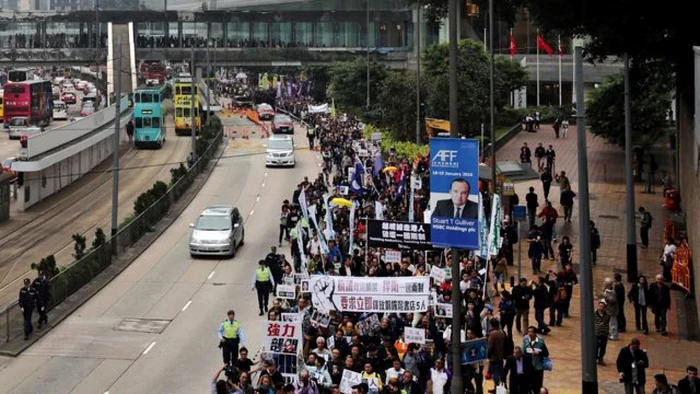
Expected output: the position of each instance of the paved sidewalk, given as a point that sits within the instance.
(607, 206)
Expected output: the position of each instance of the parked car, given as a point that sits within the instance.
(217, 232)
(282, 124)
(265, 111)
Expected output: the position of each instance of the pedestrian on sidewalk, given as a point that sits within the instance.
(534, 237)
(690, 384)
(564, 128)
(532, 204)
(566, 251)
(537, 349)
(602, 330)
(632, 363)
(646, 221)
(130, 130)
(667, 258)
(542, 302)
(662, 385)
(27, 302)
(612, 307)
(550, 156)
(569, 278)
(566, 199)
(546, 179)
(539, 155)
(522, 294)
(42, 289)
(619, 288)
(549, 216)
(660, 301)
(639, 296)
(556, 126)
(595, 241)
(525, 154)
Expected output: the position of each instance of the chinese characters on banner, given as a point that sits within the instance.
(283, 337)
(414, 335)
(392, 256)
(364, 294)
(398, 235)
(454, 192)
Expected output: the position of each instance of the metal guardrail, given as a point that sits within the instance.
(69, 280)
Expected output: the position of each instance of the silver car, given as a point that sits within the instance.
(218, 232)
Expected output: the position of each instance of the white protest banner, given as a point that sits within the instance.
(365, 294)
(286, 292)
(414, 335)
(283, 337)
(438, 274)
(321, 237)
(349, 379)
(392, 256)
(443, 310)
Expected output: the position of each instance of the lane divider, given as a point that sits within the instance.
(210, 275)
(184, 308)
(148, 349)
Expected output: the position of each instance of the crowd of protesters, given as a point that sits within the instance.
(56, 40)
(149, 41)
(489, 310)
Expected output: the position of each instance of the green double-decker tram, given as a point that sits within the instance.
(149, 117)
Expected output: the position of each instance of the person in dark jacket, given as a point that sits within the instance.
(691, 383)
(639, 297)
(27, 302)
(546, 179)
(660, 301)
(522, 295)
(520, 368)
(506, 308)
(541, 295)
(620, 293)
(42, 288)
(632, 363)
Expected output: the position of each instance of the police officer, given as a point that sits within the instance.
(230, 337)
(263, 282)
(311, 135)
(41, 287)
(27, 301)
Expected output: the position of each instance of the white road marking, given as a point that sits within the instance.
(148, 349)
(265, 173)
(210, 275)
(263, 185)
(257, 199)
(252, 212)
(184, 308)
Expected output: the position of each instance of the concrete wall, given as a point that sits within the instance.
(39, 185)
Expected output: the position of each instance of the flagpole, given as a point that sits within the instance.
(560, 55)
(538, 67)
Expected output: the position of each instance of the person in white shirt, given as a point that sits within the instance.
(438, 378)
(314, 246)
(395, 372)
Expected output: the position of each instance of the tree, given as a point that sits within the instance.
(395, 107)
(473, 82)
(100, 239)
(79, 246)
(320, 78)
(650, 98)
(348, 83)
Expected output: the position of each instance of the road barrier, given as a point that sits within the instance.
(80, 273)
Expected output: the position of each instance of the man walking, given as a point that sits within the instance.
(546, 179)
(532, 204)
(27, 301)
(539, 155)
(525, 154)
(660, 301)
(632, 363)
(595, 241)
(550, 155)
(602, 330)
(645, 226)
(263, 282)
(41, 287)
(230, 337)
(619, 288)
(522, 295)
(496, 351)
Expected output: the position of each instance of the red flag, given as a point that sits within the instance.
(543, 45)
(513, 48)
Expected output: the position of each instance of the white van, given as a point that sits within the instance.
(280, 151)
(60, 110)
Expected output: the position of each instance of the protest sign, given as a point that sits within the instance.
(414, 335)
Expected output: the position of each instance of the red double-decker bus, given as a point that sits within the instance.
(32, 99)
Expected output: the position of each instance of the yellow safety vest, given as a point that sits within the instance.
(304, 223)
(231, 329)
(262, 274)
(293, 233)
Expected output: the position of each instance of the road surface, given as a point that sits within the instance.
(177, 302)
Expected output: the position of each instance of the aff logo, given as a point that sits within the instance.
(445, 158)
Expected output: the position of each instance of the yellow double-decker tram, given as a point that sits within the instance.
(182, 102)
